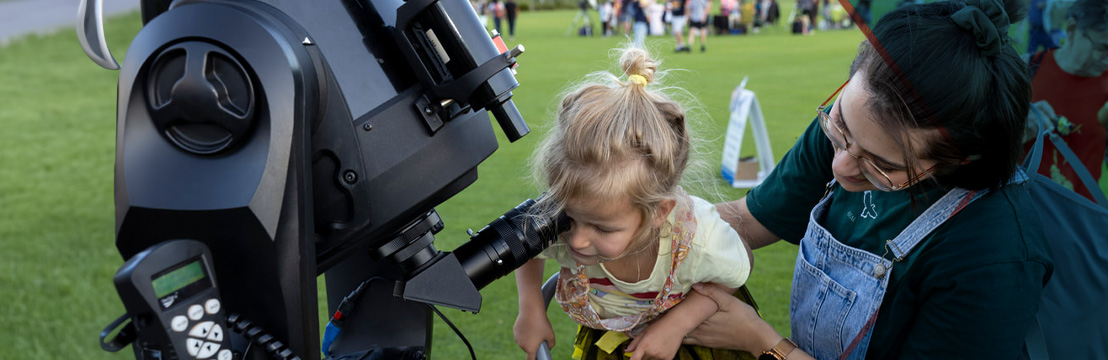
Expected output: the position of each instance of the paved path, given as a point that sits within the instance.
(22, 17)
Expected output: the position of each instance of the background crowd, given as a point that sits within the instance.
(641, 18)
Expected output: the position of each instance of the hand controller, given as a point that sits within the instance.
(170, 293)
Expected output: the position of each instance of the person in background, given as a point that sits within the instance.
(1038, 38)
(641, 21)
(828, 20)
(626, 13)
(768, 12)
(497, 11)
(678, 25)
(729, 10)
(813, 14)
(1070, 85)
(511, 11)
(805, 10)
(607, 14)
(698, 11)
(582, 19)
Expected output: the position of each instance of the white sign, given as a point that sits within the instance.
(744, 107)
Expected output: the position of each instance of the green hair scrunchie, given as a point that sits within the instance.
(988, 21)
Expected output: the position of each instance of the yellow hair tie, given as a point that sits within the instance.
(637, 79)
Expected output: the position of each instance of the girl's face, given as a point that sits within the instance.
(871, 149)
(600, 229)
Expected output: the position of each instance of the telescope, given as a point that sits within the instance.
(262, 143)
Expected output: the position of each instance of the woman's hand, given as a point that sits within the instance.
(662, 338)
(530, 330)
(735, 326)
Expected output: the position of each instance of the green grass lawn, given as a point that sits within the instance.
(57, 111)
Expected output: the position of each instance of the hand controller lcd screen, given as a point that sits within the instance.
(190, 278)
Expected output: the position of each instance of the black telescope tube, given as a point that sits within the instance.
(507, 243)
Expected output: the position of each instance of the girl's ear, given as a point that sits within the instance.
(664, 208)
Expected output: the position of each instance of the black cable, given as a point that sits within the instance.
(346, 306)
(249, 344)
(456, 331)
(254, 333)
(125, 336)
(344, 310)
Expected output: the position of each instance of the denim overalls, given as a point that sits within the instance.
(837, 290)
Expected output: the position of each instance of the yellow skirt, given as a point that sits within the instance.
(586, 348)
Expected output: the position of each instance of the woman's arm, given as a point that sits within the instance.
(735, 326)
(753, 233)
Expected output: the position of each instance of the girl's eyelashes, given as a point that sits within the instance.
(599, 229)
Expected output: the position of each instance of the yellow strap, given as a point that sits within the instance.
(637, 79)
(610, 341)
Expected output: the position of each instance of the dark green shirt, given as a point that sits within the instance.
(969, 290)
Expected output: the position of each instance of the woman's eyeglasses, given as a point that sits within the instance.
(875, 174)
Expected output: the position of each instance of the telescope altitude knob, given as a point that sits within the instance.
(200, 97)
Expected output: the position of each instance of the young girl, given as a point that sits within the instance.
(637, 242)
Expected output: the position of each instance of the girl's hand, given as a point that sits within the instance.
(656, 343)
(530, 330)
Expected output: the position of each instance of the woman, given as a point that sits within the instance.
(926, 244)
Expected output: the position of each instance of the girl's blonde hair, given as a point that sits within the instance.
(616, 139)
